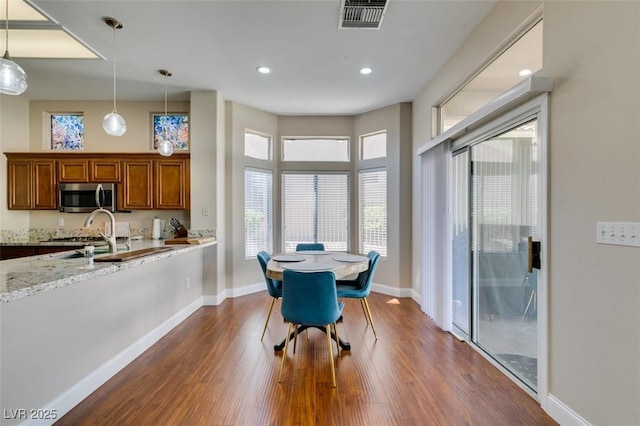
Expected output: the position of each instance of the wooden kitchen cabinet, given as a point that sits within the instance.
(145, 181)
(136, 191)
(172, 184)
(31, 184)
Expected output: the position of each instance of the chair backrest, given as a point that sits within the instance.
(310, 298)
(272, 288)
(365, 279)
(309, 246)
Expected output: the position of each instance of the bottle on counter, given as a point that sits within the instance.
(89, 254)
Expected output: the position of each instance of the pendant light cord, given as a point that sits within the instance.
(6, 26)
(164, 122)
(114, 68)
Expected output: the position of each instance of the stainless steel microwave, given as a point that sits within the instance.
(86, 197)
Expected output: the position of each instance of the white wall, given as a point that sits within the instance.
(591, 51)
(208, 182)
(14, 136)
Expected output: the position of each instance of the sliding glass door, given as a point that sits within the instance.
(496, 214)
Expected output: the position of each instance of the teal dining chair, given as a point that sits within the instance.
(309, 246)
(360, 288)
(310, 299)
(274, 288)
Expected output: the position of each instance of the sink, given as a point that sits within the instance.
(130, 255)
(66, 255)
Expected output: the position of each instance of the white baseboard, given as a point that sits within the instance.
(248, 289)
(215, 300)
(391, 291)
(69, 399)
(561, 413)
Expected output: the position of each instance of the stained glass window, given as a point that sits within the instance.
(174, 127)
(67, 131)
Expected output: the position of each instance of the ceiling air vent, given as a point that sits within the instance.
(362, 13)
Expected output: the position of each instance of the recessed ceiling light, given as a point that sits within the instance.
(264, 70)
(525, 72)
(366, 70)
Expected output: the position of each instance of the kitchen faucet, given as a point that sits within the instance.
(111, 240)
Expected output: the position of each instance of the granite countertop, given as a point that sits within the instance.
(27, 276)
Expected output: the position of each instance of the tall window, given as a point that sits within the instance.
(258, 207)
(372, 210)
(257, 145)
(315, 209)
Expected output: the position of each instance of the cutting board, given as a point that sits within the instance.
(190, 240)
(130, 255)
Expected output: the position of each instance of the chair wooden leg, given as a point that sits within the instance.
(284, 352)
(373, 327)
(330, 345)
(364, 310)
(273, 300)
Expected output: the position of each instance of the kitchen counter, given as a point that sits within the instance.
(36, 274)
(66, 330)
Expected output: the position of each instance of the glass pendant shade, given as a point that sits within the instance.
(114, 124)
(13, 80)
(165, 147)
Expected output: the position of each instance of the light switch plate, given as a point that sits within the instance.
(618, 233)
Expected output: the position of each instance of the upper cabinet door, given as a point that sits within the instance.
(172, 184)
(73, 171)
(137, 185)
(44, 185)
(105, 170)
(19, 184)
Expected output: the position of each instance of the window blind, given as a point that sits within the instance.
(315, 209)
(258, 219)
(372, 210)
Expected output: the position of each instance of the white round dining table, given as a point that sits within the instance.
(341, 264)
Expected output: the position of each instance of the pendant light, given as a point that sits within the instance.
(13, 79)
(165, 146)
(113, 123)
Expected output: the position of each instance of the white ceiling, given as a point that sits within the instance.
(217, 45)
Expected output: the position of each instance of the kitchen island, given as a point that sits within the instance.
(66, 329)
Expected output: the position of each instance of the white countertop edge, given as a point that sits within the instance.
(100, 268)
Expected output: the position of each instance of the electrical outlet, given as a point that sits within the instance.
(61, 222)
(618, 233)
(205, 211)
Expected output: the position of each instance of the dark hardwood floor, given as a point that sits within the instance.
(213, 370)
